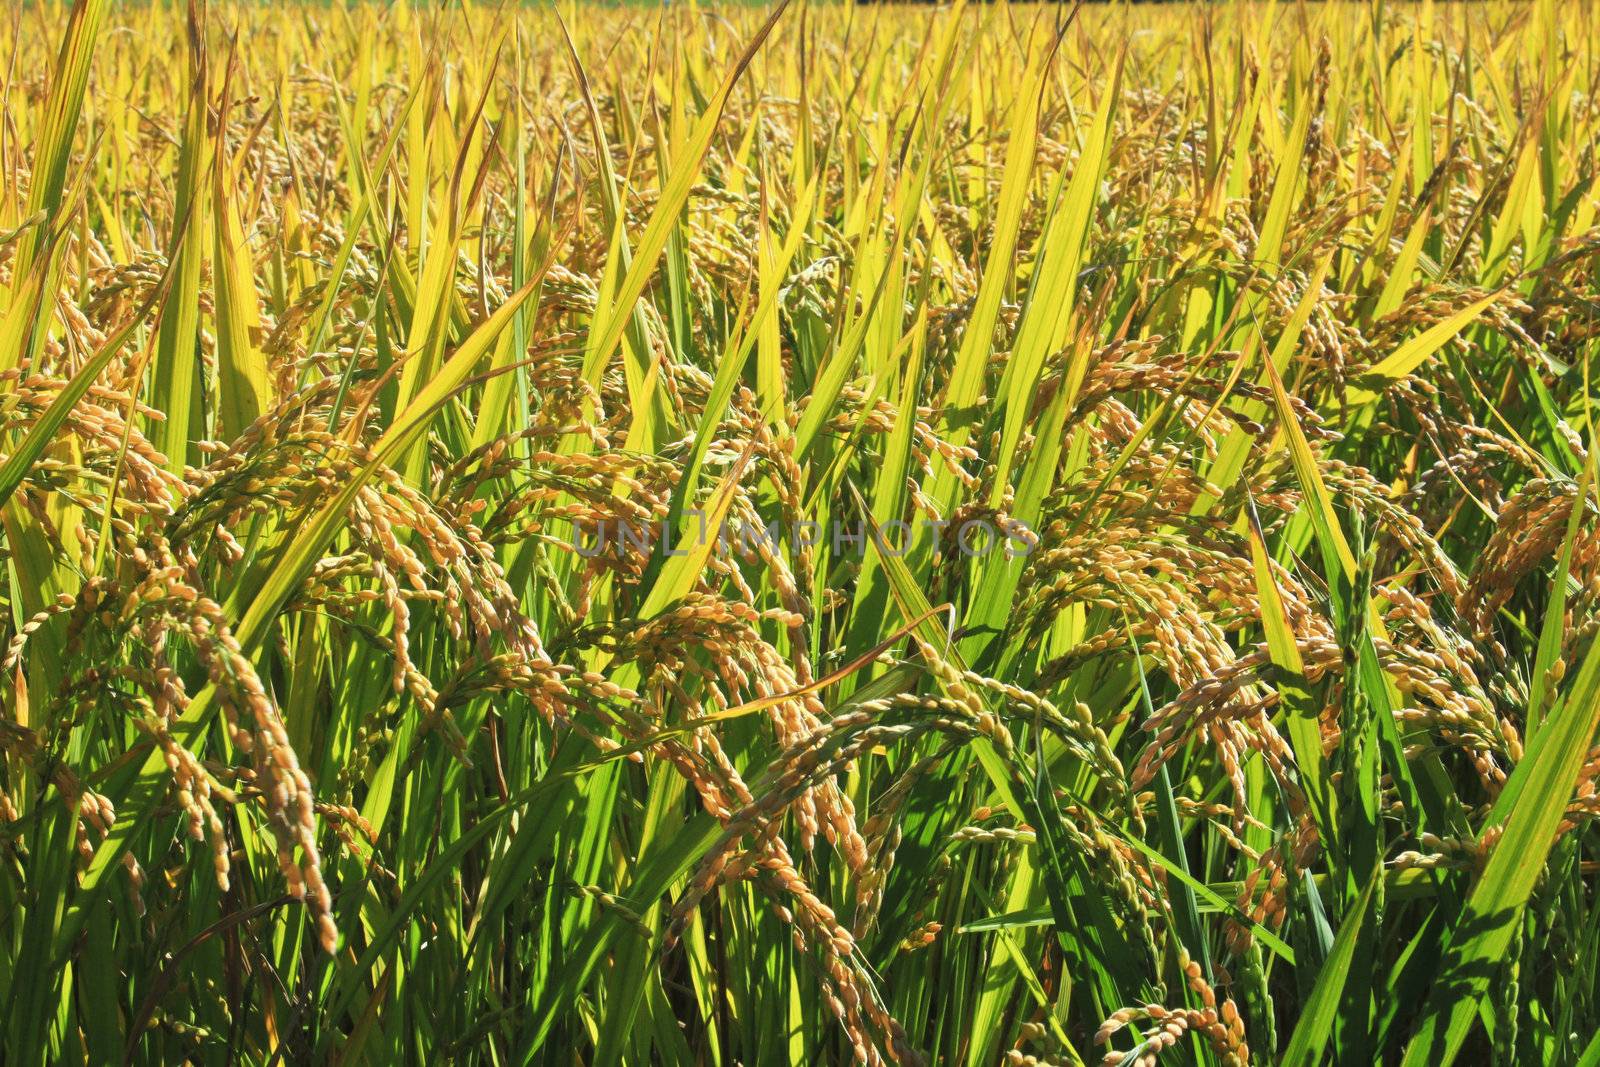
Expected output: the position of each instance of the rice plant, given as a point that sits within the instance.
(974, 534)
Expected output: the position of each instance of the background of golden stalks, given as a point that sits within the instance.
(324, 327)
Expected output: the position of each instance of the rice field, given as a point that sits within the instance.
(973, 535)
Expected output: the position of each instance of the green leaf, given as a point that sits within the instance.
(1318, 1013)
